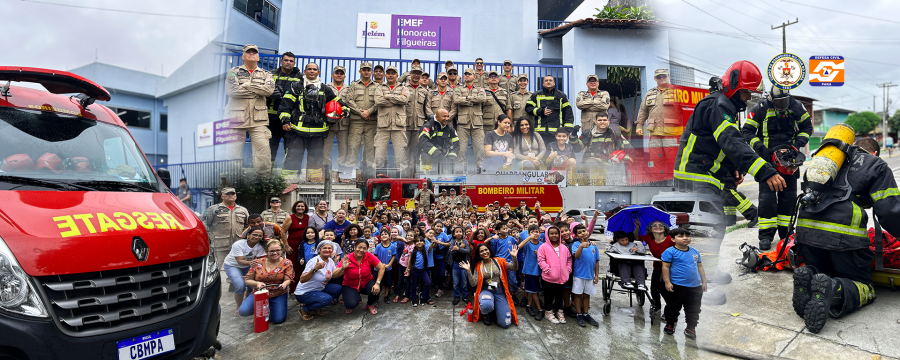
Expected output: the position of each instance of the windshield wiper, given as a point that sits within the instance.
(118, 184)
(43, 182)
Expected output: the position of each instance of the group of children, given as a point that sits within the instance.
(420, 257)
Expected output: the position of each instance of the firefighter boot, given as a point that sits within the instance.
(802, 278)
(765, 244)
(825, 291)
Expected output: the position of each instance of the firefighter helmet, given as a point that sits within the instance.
(81, 165)
(50, 162)
(741, 75)
(617, 156)
(17, 162)
(779, 98)
(788, 161)
(333, 110)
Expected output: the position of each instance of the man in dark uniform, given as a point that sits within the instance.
(284, 76)
(438, 143)
(832, 241)
(551, 110)
(776, 123)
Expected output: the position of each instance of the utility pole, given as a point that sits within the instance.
(783, 26)
(886, 90)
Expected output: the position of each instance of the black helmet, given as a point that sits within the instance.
(779, 98)
(750, 258)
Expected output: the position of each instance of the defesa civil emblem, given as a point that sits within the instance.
(787, 71)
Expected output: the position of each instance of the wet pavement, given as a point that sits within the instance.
(400, 331)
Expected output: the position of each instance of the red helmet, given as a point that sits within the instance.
(742, 75)
(81, 164)
(333, 110)
(50, 162)
(617, 156)
(17, 162)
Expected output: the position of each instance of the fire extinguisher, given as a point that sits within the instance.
(261, 311)
(468, 311)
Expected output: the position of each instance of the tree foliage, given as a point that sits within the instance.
(894, 122)
(622, 12)
(863, 122)
(263, 186)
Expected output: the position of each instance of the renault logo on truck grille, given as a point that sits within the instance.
(139, 248)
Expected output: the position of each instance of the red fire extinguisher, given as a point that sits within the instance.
(261, 311)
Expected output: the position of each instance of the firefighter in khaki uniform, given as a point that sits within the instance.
(341, 128)
(665, 125)
(275, 214)
(416, 112)
(497, 102)
(424, 196)
(591, 102)
(508, 81)
(442, 97)
(391, 99)
(247, 87)
(480, 74)
(519, 97)
(469, 119)
(360, 97)
(225, 221)
(453, 79)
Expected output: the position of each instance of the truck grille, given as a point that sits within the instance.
(101, 302)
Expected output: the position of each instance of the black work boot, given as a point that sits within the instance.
(802, 278)
(765, 244)
(824, 291)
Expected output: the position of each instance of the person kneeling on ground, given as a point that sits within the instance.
(491, 282)
(314, 291)
(685, 283)
(628, 268)
(357, 268)
(274, 273)
(238, 262)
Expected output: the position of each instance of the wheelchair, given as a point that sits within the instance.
(610, 284)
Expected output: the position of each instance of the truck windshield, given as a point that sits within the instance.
(42, 150)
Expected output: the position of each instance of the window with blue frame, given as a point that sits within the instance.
(262, 11)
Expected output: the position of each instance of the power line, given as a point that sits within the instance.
(726, 23)
(123, 11)
(740, 12)
(842, 12)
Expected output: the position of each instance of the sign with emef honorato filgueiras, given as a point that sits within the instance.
(418, 31)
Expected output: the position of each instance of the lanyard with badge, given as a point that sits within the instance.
(492, 285)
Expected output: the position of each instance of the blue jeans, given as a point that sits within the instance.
(237, 278)
(315, 300)
(490, 301)
(277, 308)
(437, 273)
(513, 281)
(460, 283)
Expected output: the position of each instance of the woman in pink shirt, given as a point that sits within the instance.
(555, 261)
(356, 268)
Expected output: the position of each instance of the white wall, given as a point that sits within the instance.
(186, 111)
(482, 31)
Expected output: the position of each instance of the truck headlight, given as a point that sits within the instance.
(212, 271)
(17, 292)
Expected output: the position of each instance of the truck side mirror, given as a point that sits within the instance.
(165, 176)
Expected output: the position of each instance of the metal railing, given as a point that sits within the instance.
(432, 67)
(550, 24)
(207, 174)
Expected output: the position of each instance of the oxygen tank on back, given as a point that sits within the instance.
(826, 163)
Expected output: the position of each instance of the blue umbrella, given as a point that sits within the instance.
(624, 219)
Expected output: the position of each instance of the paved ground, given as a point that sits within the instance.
(405, 332)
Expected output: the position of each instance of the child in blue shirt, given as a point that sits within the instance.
(440, 265)
(586, 274)
(685, 281)
(531, 271)
(386, 251)
(500, 245)
(459, 252)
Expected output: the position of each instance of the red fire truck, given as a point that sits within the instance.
(98, 259)
(403, 191)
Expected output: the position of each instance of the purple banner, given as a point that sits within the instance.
(223, 133)
(425, 32)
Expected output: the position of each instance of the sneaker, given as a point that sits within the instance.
(765, 244)
(529, 310)
(439, 293)
(551, 316)
(515, 300)
(486, 319)
(538, 315)
(590, 320)
(628, 286)
(569, 311)
(823, 290)
(561, 317)
(455, 300)
(580, 320)
(753, 222)
(642, 287)
(690, 333)
(802, 278)
(670, 329)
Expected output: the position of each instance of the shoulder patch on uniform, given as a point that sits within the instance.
(435, 92)
(424, 129)
(728, 118)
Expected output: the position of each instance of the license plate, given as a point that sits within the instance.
(147, 345)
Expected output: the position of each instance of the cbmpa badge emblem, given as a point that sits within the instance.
(139, 248)
(786, 71)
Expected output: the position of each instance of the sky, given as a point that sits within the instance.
(65, 37)
(730, 30)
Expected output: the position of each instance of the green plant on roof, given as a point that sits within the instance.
(620, 12)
